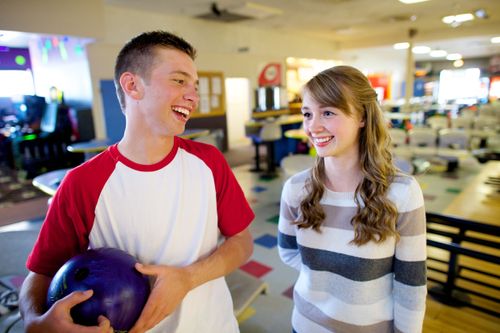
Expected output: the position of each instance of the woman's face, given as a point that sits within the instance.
(331, 131)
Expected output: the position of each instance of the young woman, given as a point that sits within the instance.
(352, 225)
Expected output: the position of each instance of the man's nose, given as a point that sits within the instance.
(192, 95)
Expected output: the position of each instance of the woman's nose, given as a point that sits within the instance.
(315, 124)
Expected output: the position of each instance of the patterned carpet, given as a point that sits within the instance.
(14, 188)
(270, 313)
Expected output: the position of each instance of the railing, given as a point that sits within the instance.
(471, 274)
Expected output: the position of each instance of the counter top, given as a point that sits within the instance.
(480, 200)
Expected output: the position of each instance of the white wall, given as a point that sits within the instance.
(238, 110)
(84, 18)
(379, 60)
(217, 43)
(217, 47)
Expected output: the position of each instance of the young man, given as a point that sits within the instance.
(162, 199)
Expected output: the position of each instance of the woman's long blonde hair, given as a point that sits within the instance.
(348, 90)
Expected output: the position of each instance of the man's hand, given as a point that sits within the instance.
(173, 283)
(58, 318)
(170, 287)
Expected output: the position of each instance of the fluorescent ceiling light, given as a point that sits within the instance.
(401, 46)
(458, 19)
(421, 49)
(458, 63)
(454, 56)
(495, 40)
(411, 1)
(255, 10)
(438, 53)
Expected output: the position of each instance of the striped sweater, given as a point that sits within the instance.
(355, 289)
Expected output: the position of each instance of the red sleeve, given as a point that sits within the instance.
(233, 209)
(65, 231)
(234, 212)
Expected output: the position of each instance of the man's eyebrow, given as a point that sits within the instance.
(186, 74)
(183, 73)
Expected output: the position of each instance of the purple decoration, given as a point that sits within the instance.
(8, 58)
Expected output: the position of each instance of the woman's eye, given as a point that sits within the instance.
(328, 113)
(306, 115)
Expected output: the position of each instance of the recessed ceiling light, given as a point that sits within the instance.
(458, 19)
(481, 13)
(411, 1)
(421, 49)
(458, 63)
(401, 46)
(438, 53)
(495, 40)
(454, 56)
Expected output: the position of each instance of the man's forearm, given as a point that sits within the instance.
(230, 255)
(33, 296)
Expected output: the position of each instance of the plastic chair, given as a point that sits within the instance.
(293, 164)
(468, 113)
(208, 139)
(488, 110)
(437, 122)
(453, 138)
(486, 122)
(462, 122)
(398, 136)
(252, 132)
(422, 137)
(403, 164)
(269, 134)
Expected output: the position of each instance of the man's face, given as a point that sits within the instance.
(170, 94)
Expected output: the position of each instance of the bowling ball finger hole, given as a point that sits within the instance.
(81, 274)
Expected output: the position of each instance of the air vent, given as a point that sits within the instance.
(247, 11)
(398, 18)
(224, 16)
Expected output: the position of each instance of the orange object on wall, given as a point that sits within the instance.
(381, 82)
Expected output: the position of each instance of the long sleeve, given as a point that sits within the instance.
(287, 238)
(409, 287)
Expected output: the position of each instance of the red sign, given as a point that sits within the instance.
(270, 75)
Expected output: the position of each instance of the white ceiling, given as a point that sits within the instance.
(352, 24)
(356, 23)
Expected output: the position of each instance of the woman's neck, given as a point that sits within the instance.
(342, 175)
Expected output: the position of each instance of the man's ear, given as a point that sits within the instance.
(131, 85)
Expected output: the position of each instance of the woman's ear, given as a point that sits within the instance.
(131, 85)
(362, 123)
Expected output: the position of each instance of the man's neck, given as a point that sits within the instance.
(146, 150)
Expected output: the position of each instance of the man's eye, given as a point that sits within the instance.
(179, 81)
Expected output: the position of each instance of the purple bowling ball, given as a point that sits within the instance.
(120, 291)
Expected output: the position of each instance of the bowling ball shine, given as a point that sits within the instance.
(120, 291)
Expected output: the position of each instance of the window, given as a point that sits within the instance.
(16, 82)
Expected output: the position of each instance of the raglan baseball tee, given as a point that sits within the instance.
(169, 213)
